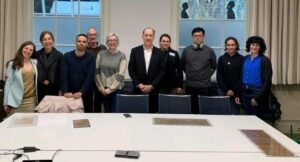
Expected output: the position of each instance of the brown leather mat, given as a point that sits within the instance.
(81, 123)
(266, 143)
(180, 121)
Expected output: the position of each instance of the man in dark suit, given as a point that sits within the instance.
(146, 68)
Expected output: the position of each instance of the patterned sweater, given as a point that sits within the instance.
(110, 70)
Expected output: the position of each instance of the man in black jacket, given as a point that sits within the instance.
(146, 68)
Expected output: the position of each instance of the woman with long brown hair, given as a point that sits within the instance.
(20, 93)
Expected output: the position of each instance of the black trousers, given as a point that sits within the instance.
(96, 99)
(153, 99)
(194, 92)
(44, 90)
(88, 102)
(2, 112)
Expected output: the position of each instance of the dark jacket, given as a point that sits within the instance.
(137, 67)
(229, 70)
(173, 77)
(77, 73)
(266, 76)
(95, 51)
(49, 66)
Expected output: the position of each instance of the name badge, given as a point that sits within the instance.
(172, 54)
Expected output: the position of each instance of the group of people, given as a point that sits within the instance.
(247, 80)
(95, 72)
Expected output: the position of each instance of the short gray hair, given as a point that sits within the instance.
(150, 29)
(112, 35)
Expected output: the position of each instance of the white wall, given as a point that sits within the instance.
(128, 19)
(289, 97)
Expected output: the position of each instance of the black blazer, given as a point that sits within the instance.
(137, 67)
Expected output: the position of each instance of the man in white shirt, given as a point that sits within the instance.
(146, 68)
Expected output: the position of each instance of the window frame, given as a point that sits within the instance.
(77, 17)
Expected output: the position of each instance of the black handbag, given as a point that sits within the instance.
(271, 109)
(274, 107)
(2, 84)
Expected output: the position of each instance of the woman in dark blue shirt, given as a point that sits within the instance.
(256, 77)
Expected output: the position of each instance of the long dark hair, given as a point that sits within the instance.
(18, 61)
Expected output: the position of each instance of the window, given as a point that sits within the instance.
(219, 18)
(65, 19)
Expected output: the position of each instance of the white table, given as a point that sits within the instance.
(222, 140)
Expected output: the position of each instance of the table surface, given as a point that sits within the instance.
(222, 140)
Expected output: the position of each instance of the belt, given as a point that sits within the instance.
(250, 87)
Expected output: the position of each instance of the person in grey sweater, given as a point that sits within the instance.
(199, 63)
(110, 73)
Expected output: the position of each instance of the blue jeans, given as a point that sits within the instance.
(247, 95)
(110, 101)
(235, 108)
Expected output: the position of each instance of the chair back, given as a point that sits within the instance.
(174, 104)
(219, 105)
(132, 103)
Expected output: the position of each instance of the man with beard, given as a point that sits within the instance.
(94, 47)
(77, 73)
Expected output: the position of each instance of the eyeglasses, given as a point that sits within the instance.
(112, 40)
(197, 35)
